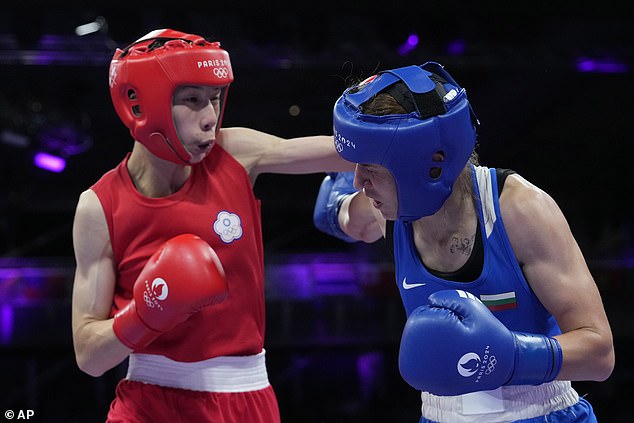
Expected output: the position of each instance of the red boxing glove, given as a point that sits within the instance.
(181, 278)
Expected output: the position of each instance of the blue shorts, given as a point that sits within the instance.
(581, 412)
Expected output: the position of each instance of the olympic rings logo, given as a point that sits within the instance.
(221, 72)
(154, 293)
(338, 146)
(342, 142)
(149, 301)
(491, 365)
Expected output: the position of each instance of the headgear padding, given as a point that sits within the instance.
(144, 76)
(441, 122)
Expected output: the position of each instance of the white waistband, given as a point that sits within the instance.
(505, 404)
(218, 374)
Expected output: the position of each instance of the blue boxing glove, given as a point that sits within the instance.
(455, 345)
(335, 188)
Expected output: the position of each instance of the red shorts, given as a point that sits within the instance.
(138, 402)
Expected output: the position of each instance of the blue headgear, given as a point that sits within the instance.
(440, 120)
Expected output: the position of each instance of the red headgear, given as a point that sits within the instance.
(143, 78)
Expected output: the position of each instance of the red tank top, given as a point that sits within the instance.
(216, 203)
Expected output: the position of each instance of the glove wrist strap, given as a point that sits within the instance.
(538, 359)
(131, 330)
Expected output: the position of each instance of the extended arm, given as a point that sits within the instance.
(260, 152)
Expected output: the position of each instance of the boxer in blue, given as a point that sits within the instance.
(502, 310)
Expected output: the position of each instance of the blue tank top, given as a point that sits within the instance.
(501, 284)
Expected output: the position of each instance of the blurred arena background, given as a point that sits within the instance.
(552, 86)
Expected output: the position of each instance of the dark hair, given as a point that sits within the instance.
(383, 104)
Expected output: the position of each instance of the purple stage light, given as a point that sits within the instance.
(49, 162)
(409, 45)
(6, 324)
(586, 64)
(456, 47)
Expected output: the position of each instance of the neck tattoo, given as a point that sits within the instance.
(461, 245)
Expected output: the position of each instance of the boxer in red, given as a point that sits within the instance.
(168, 244)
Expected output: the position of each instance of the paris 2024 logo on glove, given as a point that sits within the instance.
(155, 293)
(471, 364)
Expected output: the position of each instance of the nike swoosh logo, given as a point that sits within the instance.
(411, 285)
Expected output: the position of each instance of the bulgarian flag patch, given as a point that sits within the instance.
(497, 302)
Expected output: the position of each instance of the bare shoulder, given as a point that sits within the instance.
(235, 134)
(246, 145)
(89, 208)
(237, 138)
(520, 198)
(532, 218)
(90, 228)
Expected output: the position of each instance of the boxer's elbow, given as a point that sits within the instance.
(601, 345)
(366, 230)
(370, 234)
(591, 358)
(605, 363)
(88, 366)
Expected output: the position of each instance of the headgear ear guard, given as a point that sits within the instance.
(144, 76)
(439, 123)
